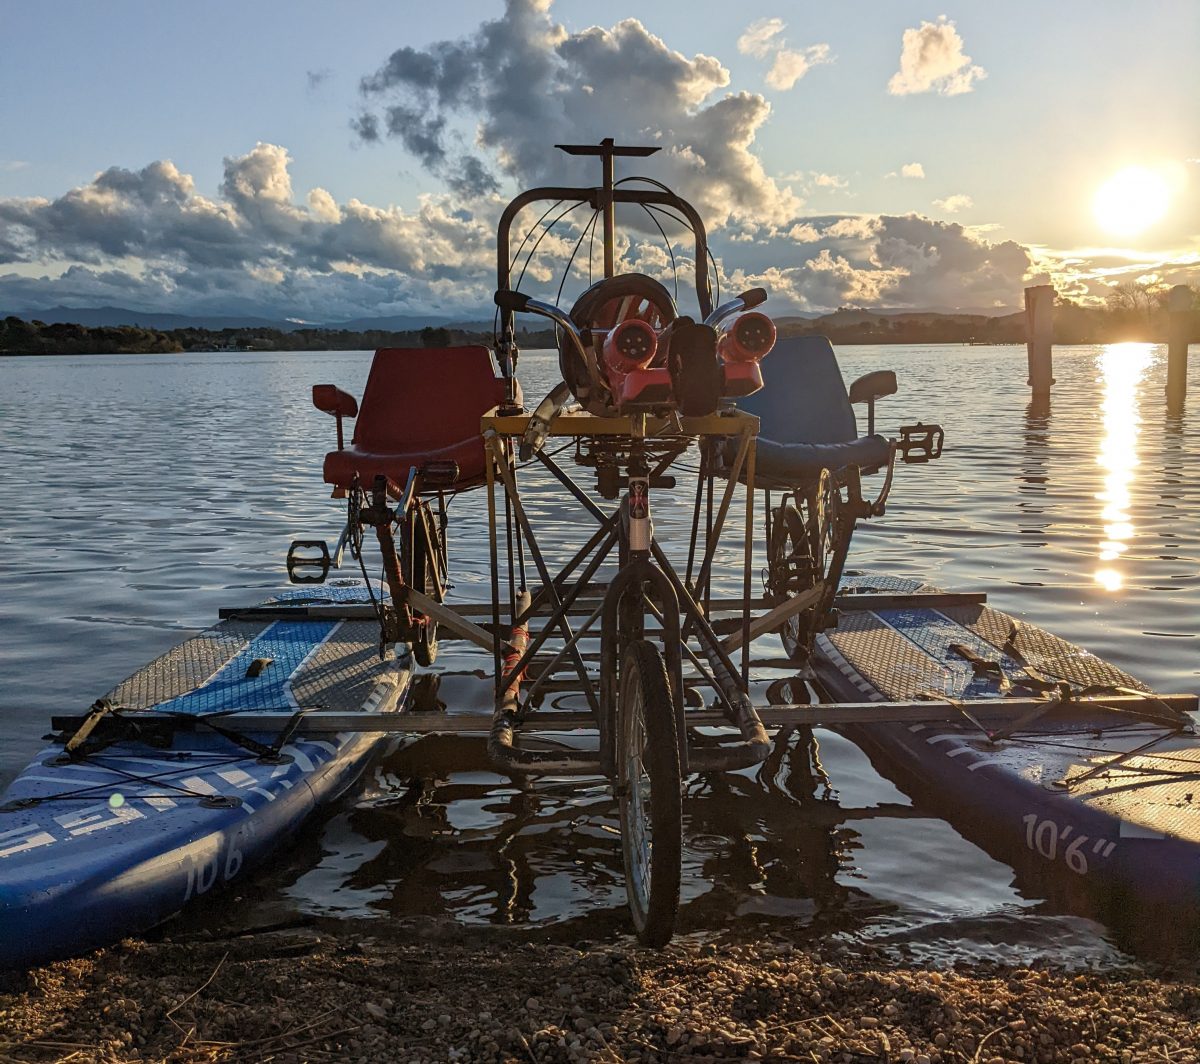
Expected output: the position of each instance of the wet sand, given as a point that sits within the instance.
(429, 991)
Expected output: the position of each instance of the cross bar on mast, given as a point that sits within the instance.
(607, 151)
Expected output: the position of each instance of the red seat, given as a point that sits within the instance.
(420, 404)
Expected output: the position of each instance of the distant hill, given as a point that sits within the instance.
(480, 321)
(95, 317)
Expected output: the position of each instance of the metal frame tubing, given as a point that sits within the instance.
(592, 197)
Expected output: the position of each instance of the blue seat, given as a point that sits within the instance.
(806, 421)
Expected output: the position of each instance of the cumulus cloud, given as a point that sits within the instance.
(960, 201)
(831, 181)
(791, 65)
(897, 261)
(758, 39)
(932, 60)
(910, 170)
(762, 40)
(526, 83)
(254, 238)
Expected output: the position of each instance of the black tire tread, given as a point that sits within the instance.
(666, 801)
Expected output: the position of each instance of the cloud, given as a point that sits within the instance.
(911, 170)
(525, 83)
(11, 166)
(960, 201)
(898, 261)
(762, 40)
(759, 38)
(252, 241)
(932, 60)
(316, 78)
(790, 65)
(831, 181)
(804, 233)
(810, 180)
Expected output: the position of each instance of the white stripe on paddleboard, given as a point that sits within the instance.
(24, 829)
(287, 684)
(300, 757)
(41, 838)
(195, 783)
(159, 801)
(106, 782)
(237, 777)
(1136, 831)
(268, 795)
(992, 761)
(97, 817)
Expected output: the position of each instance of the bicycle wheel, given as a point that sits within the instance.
(790, 569)
(802, 551)
(651, 804)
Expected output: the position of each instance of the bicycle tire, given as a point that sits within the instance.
(789, 537)
(648, 768)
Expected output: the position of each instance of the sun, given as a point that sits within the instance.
(1131, 200)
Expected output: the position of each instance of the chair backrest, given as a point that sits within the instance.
(425, 398)
(803, 398)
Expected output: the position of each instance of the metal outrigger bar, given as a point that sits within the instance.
(914, 711)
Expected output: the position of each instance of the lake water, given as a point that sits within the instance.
(140, 493)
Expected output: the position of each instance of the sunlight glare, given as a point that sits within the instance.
(1122, 367)
(1131, 200)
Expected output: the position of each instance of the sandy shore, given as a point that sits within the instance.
(422, 991)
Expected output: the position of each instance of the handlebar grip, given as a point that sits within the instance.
(509, 300)
(753, 297)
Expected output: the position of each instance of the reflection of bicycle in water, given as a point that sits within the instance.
(773, 843)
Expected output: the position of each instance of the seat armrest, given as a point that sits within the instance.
(333, 400)
(871, 386)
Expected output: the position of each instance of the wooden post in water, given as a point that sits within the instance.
(1179, 307)
(1039, 339)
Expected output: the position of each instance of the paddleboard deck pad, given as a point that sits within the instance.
(120, 834)
(1100, 806)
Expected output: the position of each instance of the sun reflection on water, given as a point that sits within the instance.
(1122, 367)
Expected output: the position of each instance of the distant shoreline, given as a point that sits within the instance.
(1072, 325)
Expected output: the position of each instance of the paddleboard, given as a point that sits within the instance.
(1095, 804)
(120, 834)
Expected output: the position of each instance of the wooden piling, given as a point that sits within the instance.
(1179, 308)
(1039, 338)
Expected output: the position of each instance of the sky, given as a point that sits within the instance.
(324, 162)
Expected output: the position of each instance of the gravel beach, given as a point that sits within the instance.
(428, 991)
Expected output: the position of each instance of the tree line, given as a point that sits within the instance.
(19, 337)
(1131, 311)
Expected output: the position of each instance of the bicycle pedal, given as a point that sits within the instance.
(306, 568)
(920, 443)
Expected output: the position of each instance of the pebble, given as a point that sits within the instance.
(757, 1001)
